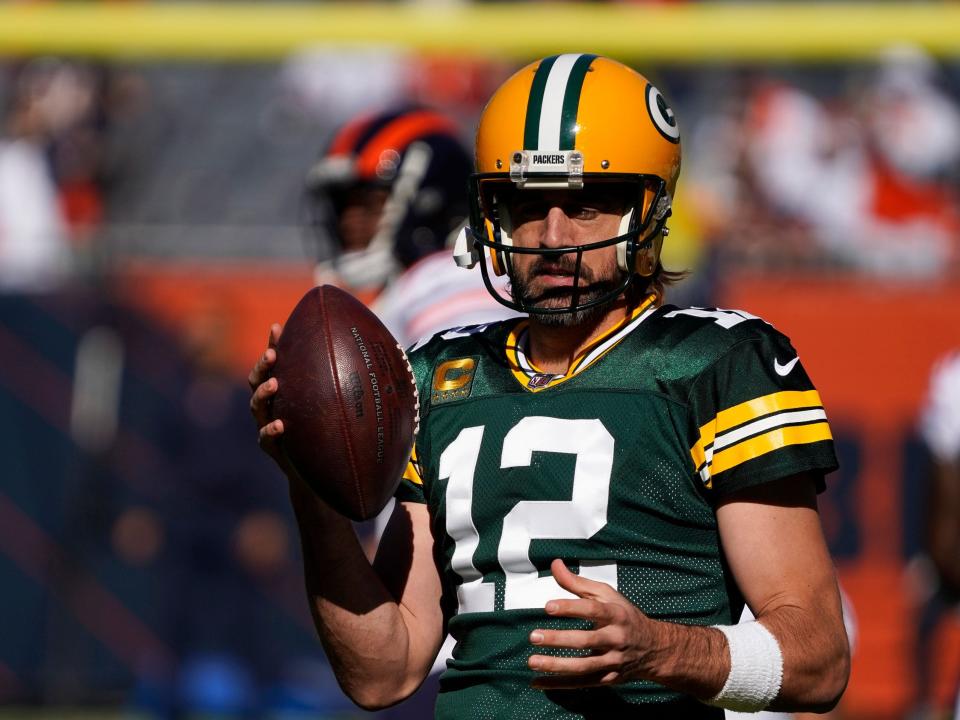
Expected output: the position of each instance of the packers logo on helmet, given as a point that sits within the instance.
(559, 123)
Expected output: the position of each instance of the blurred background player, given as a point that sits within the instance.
(940, 431)
(384, 202)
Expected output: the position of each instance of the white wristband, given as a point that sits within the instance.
(756, 668)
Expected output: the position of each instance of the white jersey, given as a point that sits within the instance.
(435, 294)
(940, 420)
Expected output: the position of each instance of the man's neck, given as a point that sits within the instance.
(553, 348)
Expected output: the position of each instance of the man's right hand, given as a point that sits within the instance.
(264, 387)
(381, 626)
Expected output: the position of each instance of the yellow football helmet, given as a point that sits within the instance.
(559, 123)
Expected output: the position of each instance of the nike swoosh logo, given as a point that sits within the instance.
(784, 370)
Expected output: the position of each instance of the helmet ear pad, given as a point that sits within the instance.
(636, 255)
(641, 254)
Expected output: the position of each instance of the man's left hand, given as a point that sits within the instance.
(622, 641)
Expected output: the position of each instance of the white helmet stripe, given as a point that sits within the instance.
(551, 112)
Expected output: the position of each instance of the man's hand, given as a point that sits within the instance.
(264, 388)
(622, 643)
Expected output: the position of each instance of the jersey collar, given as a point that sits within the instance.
(534, 380)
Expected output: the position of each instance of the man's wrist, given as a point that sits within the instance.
(687, 658)
(756, 668)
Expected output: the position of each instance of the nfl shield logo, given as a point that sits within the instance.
(539, 380)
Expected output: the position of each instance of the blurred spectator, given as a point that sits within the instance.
(53, 169)
(34, 250)
(865, 181)
(940, 430)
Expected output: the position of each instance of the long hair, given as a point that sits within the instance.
(657, 284)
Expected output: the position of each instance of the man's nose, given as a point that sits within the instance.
(556, 229)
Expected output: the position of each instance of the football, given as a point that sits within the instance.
(348, 401)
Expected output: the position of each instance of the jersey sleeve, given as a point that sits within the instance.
(756, 417)
(411, 486)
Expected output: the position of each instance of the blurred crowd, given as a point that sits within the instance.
(163, 568)
(862, 176)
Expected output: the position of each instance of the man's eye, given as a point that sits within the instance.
(582, 213)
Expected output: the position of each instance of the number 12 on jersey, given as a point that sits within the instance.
(579, 518)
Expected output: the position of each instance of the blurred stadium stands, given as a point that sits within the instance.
(148, 560)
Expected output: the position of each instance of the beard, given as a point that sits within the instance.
(590, 288)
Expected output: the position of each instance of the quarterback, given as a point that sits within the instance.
(598, 487)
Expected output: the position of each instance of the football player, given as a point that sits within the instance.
(597, 488)
(384, 193)
(384, 203)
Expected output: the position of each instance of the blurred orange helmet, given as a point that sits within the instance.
(560, 123)
(412, 158)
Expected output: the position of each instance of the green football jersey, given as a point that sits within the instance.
(615, 467)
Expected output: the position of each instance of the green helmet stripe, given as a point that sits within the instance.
(571, 101)
(531, 128)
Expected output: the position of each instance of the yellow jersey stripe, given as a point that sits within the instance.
(574, 366)
(751, 410)
(768, 442)
(412, 473)
(758, 407)
(513, 350)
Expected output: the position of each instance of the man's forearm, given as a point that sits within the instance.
(359, 622)
(816, 657)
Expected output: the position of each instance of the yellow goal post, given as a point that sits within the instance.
(795, 32)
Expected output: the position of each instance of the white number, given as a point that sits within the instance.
(581, 517)
(452, 334)
(724, 318)
(459, 462)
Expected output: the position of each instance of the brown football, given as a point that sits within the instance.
(348, 401)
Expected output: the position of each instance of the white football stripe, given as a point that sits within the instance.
(552, 106)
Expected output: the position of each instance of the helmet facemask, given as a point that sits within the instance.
(645, 209)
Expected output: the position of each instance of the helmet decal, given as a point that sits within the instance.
(551, 119)
(661, 114)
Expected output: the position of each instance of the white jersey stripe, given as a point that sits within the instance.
(768, 423)
(771, 422)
